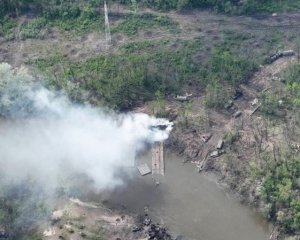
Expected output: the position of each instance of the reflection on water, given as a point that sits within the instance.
(190, 204)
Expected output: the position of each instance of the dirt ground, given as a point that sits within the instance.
(85, 220)
(191, 24)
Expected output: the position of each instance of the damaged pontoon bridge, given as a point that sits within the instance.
(158, 165)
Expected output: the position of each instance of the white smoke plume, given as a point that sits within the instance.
(44, 136)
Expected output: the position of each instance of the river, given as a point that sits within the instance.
(189, 204)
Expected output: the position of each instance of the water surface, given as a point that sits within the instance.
(190, 204)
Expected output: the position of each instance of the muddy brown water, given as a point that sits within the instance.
(189, 204)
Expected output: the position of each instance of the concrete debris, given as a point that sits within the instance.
(237, 114)
(220, 144)
(206, 137)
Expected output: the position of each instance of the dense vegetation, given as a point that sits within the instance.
(137, 73)
(281, 188)
(17, 7)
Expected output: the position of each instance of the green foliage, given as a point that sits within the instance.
(21, 208)
(128, 78)
(281, 190)
(134, 22)
(292, 78)
(69, 17)
(231, 68)
(269, 103)
(33, 29)
(215, 95)
(7, 26)
(17, 7)
(229, 6)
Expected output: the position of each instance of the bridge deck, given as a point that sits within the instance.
(158, 166)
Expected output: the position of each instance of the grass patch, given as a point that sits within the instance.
(135, 22)
(143, 68)
(33, 29)
(7, 28)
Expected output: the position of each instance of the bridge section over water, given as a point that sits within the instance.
(158, 165)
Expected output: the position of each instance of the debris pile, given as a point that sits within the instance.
(159, 233)
(153, 231)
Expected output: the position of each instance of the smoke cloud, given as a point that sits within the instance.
(45, 136)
